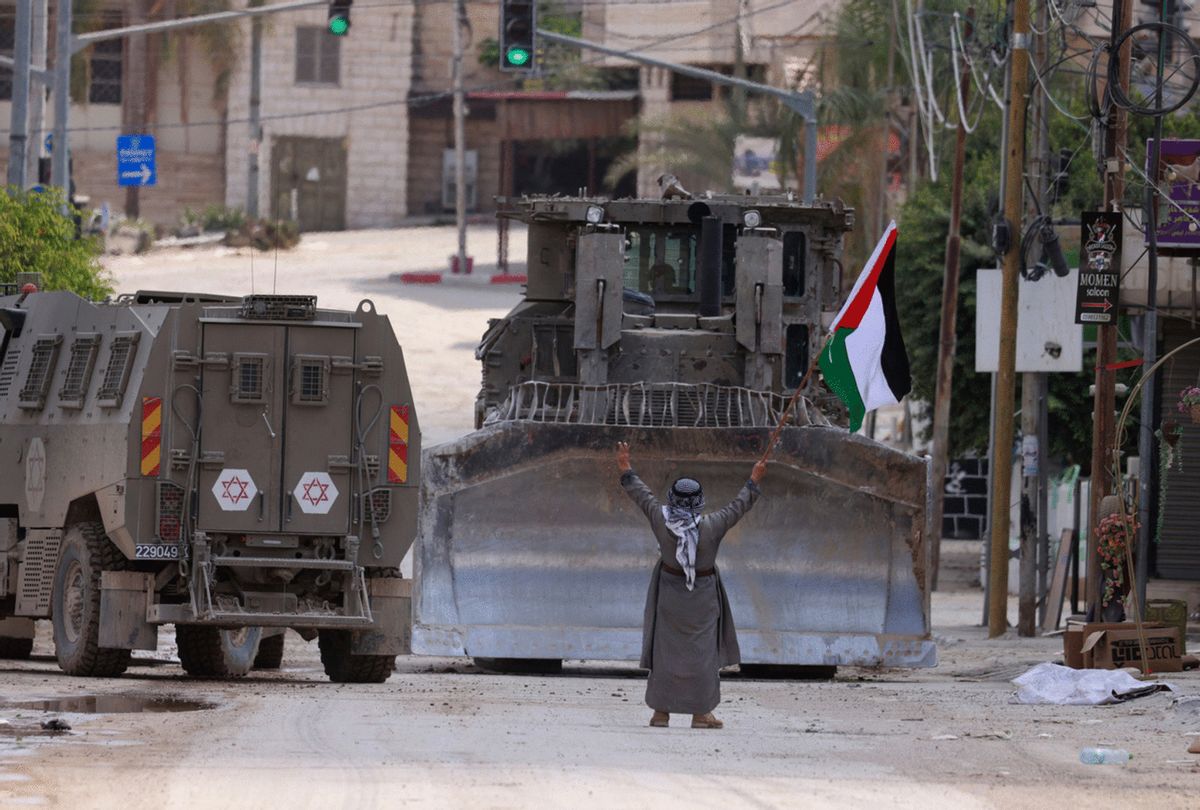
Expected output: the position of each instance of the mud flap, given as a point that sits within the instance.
(391, 607)
(124, 598)
(15, 627)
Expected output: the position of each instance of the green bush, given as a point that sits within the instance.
(36, 238)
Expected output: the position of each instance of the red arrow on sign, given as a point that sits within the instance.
(1105, 305)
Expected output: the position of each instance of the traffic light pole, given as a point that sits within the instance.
(803, 104)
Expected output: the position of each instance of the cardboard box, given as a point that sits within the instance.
(1113, 646)
(1073, 645)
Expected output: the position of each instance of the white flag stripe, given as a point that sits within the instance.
(862, 276)
(864, 347)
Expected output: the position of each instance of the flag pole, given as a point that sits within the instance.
(787, 409)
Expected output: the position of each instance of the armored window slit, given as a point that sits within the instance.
(117, 370)
(248, 378)
(79, 370)
(310, 380)
(41, 369)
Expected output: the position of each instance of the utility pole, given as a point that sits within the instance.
(61, 155)
(948, 334)
(255, 124)
(1002, 438)
(18, 133)
(1104, 397)
(134, 94)
(1032, 451)
(1147, 456)
(460, 137)
(37, 98)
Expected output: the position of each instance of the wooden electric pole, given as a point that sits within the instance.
(1002, 438)
(948, 336)
(1104, 398)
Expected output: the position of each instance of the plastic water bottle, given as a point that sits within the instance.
(1104, 756)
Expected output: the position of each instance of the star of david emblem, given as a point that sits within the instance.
(315, 492)
(235, 489)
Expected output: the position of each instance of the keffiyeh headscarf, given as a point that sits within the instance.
(684, 502)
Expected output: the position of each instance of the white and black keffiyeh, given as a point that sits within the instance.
(685, 500)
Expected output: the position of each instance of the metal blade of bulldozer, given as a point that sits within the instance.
(529, 548)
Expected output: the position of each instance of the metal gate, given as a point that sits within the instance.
(308, 182)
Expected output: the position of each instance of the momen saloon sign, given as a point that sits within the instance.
(1099, 268)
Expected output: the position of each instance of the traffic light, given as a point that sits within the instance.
(339, 17)
(518, 24)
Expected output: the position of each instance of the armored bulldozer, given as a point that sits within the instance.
(681, 326)
(233, 467)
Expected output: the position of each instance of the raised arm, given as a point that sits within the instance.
(634, 487)
(725, 519)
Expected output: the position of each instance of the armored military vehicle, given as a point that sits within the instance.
(681, 326)
(233, 467)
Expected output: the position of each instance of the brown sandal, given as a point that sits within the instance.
(660, 720)
(706, 721)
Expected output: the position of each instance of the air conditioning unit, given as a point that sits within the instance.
(472, 171)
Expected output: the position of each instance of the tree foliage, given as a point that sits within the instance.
(36, 237)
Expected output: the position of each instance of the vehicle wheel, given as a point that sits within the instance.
(15, 648)
(213, 652)
(343, 667)
(270, 653)
(75, 606)
(521, 666)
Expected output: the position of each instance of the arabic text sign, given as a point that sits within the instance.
(136, 160)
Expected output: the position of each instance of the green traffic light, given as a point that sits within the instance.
(338, 26)
(517, 57)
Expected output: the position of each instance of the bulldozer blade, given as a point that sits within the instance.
(529, 548)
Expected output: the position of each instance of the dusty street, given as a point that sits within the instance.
(443, 734)
(440, 733)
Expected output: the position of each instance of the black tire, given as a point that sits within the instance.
(521, 666)
(270, 653)
(75, 605)
(343, 667)
(213, 652)
(15, 648)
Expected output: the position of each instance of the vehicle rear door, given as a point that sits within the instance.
(243, 387)
(318, 413)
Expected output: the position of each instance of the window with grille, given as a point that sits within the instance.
(105, 66)
(249, 378)
(41, 368)
(7, 25)
(310, 380)
(318, 56)
(79, 370)
(116, 371)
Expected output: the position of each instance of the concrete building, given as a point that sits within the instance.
(185, 112)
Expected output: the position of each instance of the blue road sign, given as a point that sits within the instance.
(135, 160)
(49, 143)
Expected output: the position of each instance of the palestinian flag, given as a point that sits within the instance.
(864, 361)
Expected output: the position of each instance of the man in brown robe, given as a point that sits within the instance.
(688, 632)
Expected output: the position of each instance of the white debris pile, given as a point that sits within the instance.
(1051, 683)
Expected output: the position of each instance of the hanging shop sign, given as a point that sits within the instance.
(1099, 268)
(1178, 176)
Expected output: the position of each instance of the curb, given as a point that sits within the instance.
(439, 278)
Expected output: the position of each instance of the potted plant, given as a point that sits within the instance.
(1189, 402)
(1114, 534)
